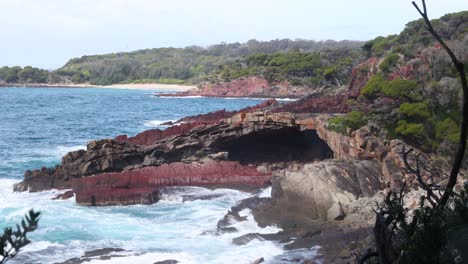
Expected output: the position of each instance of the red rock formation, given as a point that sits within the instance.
(121, 138)
(142, 185)
(148, 137)
(255, 86)
(216, 116)
(361, 73)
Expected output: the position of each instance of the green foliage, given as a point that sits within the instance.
(430, 235)
(430, 239)
(389, 62)
(400, 88)
(300, 68)
(351, 121)
(413, 132)
(194, 64)
(373, 87)
(397, 89)
(27, 74)
(447, 129)
(414, 111)
(12, 241)
(415, 125)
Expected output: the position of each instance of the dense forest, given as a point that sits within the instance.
(27, 74)
(190, 65)
(177, 65)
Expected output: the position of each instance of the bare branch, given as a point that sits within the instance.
(464, 120)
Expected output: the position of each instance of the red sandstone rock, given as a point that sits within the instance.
(121, 138)
(148, 137)
(216, 116)
(142, 185)
(254, 86)
(64, 196)
(361, 73)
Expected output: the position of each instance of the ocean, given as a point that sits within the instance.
(40, 125)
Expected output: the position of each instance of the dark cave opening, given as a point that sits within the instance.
(279, 145)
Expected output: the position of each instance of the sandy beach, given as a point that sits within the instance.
(151, 86)
(131, 86)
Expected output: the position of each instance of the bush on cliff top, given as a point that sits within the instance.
(347, 123)
(389, 62)
(414, 111)
(397, 89)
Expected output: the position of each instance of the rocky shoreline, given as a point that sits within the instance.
(324, 184)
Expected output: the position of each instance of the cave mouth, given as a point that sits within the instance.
(279, 145)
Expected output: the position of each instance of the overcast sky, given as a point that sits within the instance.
(46, 33)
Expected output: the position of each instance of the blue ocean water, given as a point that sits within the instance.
(39, 125)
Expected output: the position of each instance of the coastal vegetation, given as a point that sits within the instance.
(27, 74)
(190, 65)
(347, 123)
(311, 69)
(430, 233)
(11, 241)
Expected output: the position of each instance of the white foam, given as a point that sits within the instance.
(57, 152)
(157, 123)
(265, 193)
(169, 229)
(147, 258)
(286, 99)
(38, 246)
(244, 213)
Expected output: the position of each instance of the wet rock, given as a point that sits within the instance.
(101, 254)
(258, 261)
(168, 261)
(245, 239)
(64, 196)
(233, 215)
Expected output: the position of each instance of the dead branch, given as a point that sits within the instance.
(464, 120)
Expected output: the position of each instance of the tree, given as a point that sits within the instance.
(424, 238)
(12, 241)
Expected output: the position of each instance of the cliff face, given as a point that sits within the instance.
(324, 184)
(244, 150)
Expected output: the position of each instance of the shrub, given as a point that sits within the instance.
(11, 241)
(397, 89)
(400, 88)
(447, 129)
(389, 61)
(373, 86)
(414, 111)
(413, 132)
(351, 121)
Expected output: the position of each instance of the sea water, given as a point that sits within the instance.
(39, 125)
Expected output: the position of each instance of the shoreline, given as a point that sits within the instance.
(131, 86)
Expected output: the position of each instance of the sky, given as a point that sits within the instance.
(47, 33)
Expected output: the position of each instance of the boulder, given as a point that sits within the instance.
(319, 191)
